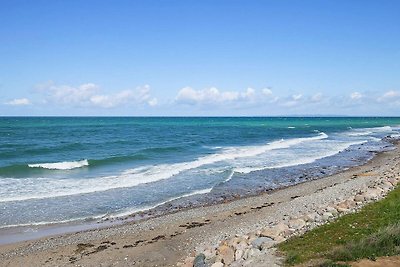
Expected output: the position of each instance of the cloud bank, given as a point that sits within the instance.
(90, 95)
(211, 101)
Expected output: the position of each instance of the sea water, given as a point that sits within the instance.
(61, 169)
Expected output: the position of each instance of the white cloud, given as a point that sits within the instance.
(389, 96)
(267, 92)
(188, 95)
(152, 102)
(19, 102)
(213, 96)
(89, 94)
(356, 95)
(292, 101)
(316, 98)
(297, 97)
(249, 94)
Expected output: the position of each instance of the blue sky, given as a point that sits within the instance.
(203, 58)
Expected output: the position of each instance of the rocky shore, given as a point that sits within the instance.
(237, 233)
(257, 247)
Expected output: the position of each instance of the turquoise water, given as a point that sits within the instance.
(60, 169)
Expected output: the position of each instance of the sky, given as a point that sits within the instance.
(199, 58)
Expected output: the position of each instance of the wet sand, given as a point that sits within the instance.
(165, 240)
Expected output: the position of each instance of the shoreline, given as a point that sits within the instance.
(168, 239)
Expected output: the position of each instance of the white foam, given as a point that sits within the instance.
(229, 176)
(382, 129)
(66, 165)
(38, 188)
(360, 133)
(369, 131)
(291, 127)
(302, 159)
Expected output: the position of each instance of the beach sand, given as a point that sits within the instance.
(168, 239)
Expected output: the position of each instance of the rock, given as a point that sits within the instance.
(234, 241)
(261, 241)
(332, 210)
(297, 224)
(209, 253)
(280, 239)
(281, 225)
(217, 264)
(359, 198)
(342, 210)
(372, 193)
(251, 253)
(269, 244)
(311, 217)
(393, 181)
(226, 253)
(242, 245)
(252, 236)
(270, 232)
(326, 216)
(350, 203)
(244, 237)
(199, 261)
(275, 231)
(238, 254)
(188, 262)
(320, 211)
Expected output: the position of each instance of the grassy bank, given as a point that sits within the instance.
(372, 232)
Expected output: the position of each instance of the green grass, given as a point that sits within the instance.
(386, 242)
(350, 237)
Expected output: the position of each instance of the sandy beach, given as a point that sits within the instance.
(166, 240)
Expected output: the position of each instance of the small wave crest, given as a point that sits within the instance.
(66, 165)
(369, 131)
(360, 133)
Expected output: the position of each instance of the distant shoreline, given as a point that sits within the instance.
(175, 116)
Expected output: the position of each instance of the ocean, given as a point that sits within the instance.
(80, 169)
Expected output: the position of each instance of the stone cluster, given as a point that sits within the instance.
(243, 250)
